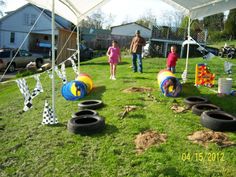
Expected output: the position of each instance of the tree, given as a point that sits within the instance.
(171, 18)
(214, 22)
(230, 24)
(196, 25)
(96, 20)
(2, 5)
(148, 19)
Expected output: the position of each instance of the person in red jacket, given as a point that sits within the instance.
(172, 59)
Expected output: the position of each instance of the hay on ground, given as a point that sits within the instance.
(137, 89)
(205, 137)
(148, 138)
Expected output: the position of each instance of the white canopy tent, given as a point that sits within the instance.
(198, 9)
(76, 10)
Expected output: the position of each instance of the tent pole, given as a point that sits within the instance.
(53, 60)
(78, 51)
(187, 55)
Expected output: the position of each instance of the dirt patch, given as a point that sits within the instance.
(205, 137)
(137, 89)
(148, 138)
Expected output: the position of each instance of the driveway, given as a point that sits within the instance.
(7, 75)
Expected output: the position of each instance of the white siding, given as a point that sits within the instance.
(17, 23)
(129, 30)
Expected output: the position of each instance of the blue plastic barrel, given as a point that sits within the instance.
(74, 90)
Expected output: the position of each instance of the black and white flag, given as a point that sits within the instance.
(228, 67)
(74, 66)
(48, 115)
(60, 74)
(38, 88)
(208, 56)
(49, 74)
(24, 89)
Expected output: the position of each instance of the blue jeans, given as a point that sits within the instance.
(136, 56)
(172, 69)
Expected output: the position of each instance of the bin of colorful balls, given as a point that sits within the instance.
(203, 76)
(77, 88)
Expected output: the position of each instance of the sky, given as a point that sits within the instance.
(121, 10)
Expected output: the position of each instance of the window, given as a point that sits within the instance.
(12, 37)
(26, 19)
(45, 38)
(4, 54)
(29, 19)
(33, 19)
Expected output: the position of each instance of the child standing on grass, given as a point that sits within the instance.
(172, 59)
(113, 53)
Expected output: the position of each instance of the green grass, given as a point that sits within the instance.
(221, 44)
(31, 149)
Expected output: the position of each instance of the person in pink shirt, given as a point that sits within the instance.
(114, 55)
(172, 59)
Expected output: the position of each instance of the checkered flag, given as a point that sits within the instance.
(24, 89)
(48, 115)
(74, 66)
(38, 88)
(228, 67)
(63, 72)
(49, 74)
(60, 74)
(184, 76)
(208, 56)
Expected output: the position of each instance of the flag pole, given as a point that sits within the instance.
(78, 48)
(53, 60)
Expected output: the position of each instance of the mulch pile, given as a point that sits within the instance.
(137, 89)
(148, 138)
(205, 137)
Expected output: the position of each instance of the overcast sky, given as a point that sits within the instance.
(121, 10)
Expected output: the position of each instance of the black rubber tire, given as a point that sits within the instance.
(230, 56)
(39, 62)
(84, 112)
(12, 68)
(86, 124)
(200, 108)
(218, 121)
(192, 100)
(90, 104)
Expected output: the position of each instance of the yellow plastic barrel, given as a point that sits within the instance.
(162, 77)
(85, 78)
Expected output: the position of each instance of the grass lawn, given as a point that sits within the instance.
(31, 149)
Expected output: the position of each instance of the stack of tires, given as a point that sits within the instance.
(78, 88)
(87, 121)
(212, 116)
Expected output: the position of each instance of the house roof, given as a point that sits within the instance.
(46, 13)
(130, 24)
(95, 31)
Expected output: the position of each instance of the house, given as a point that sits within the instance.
(129, 29)
(16, 26)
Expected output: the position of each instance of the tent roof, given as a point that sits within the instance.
(72, 10)
(76, 10)
(201, 8)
